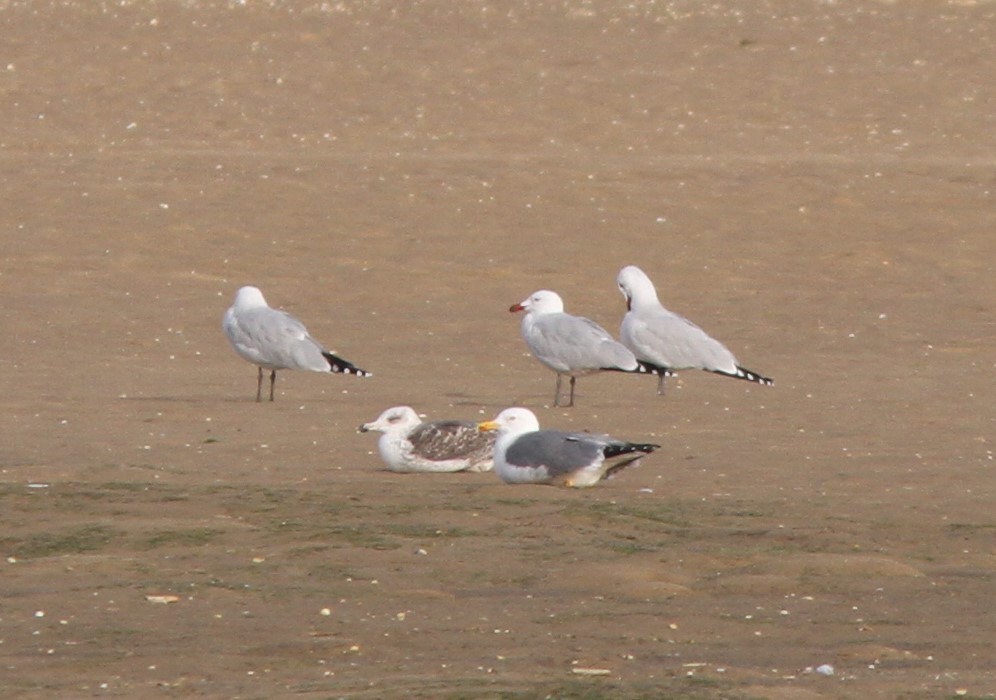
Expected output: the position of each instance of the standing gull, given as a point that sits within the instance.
(273, 339)
(524, 454)
(663, 338)
(571, 346)
(409, 445)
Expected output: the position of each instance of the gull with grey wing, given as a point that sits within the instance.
(274, 340)
(663, 339)
(572, 346)
(524, 454)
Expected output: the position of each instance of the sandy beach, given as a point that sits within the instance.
(811, 182)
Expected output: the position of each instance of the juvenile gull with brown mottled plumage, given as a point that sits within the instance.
(408, 444)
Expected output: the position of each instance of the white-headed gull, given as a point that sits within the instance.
(663, 338)
(524, 454)
(273, 339)
(407, 444)
(571, 346)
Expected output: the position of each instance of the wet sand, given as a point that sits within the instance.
(812, 183)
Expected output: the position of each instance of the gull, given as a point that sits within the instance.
(407, 444)
(664, 339)
(273, 339)
(571, 346)
(524, 454)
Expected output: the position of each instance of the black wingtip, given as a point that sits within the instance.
(748, 375)
(644, 367)
(615, 450)
(341, 366)
(619, 466)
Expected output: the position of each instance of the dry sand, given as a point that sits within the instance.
(812, 182)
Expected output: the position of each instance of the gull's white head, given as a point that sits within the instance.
(636, 287)
(394, 419)
(249, 298)
(512, 421)
(542, 302)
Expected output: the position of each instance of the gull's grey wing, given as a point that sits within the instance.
(665, 338)
(558, 452)
(276, 339)
(577, 343)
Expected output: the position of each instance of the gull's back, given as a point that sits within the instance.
(270, 338)
(569, 344)
(665, 338)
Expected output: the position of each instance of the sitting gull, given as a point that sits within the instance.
(524, 454)
(273, 339)
(664, 339)
(571, 346)
(409, 445)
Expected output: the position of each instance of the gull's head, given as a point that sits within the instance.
(635, 286)
(249, 298)
(512, 421)
(542, 302)
(393, 419)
